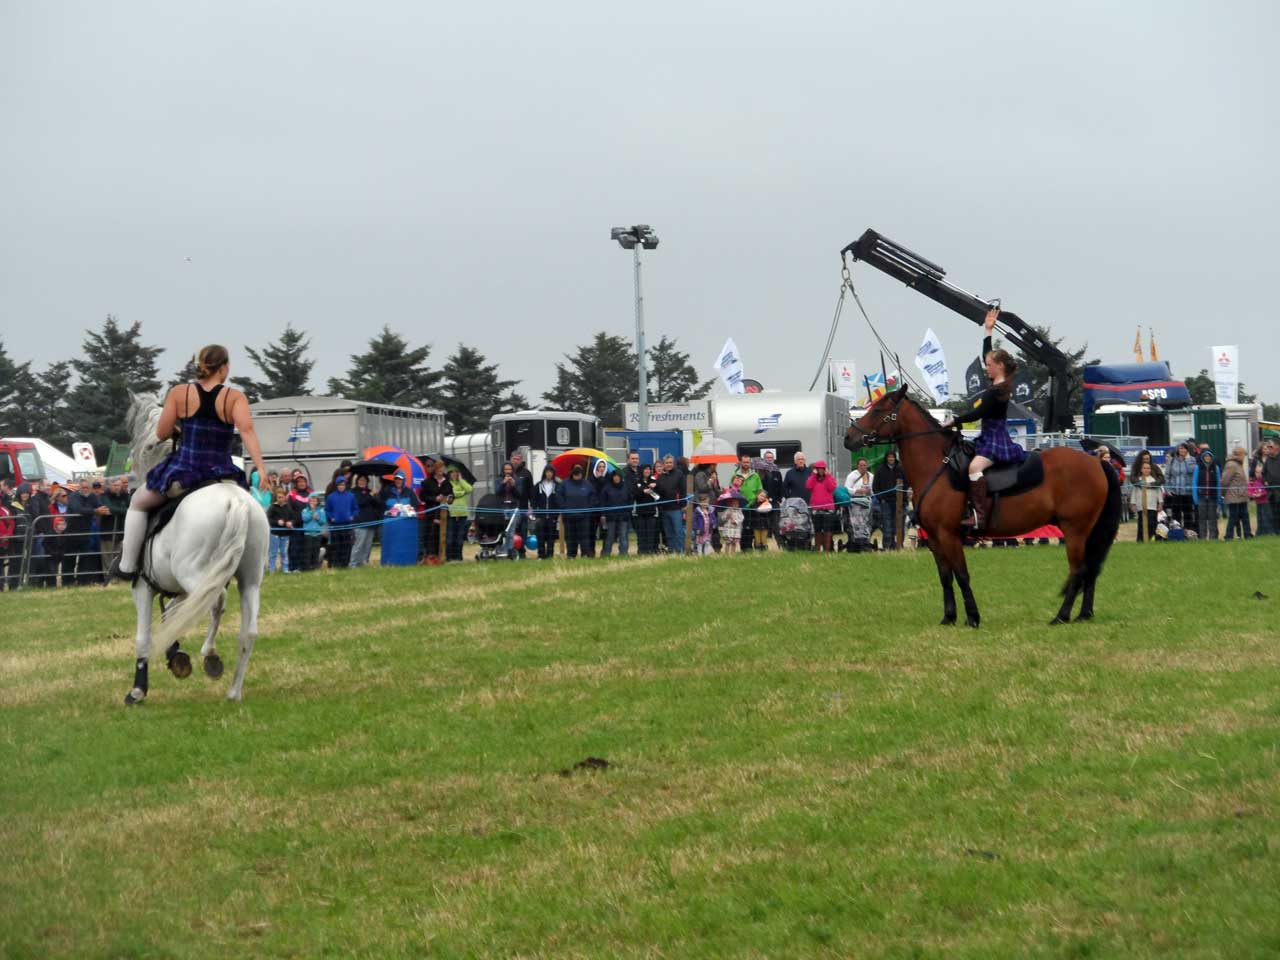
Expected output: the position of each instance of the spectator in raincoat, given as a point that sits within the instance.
(1206, 493)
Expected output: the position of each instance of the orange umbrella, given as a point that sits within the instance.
(397, 459)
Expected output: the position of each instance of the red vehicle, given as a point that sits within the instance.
(19, 462)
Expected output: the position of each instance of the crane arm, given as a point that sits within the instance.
(928, 278)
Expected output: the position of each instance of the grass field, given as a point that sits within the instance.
(801, 763)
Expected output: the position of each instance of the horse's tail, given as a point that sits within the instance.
(1103, 534)
(192, 607)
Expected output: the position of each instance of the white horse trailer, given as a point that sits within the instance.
(540, 435)
(318, 433)
(787, 424)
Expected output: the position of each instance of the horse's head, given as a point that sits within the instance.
(879, 424)
(145, 449)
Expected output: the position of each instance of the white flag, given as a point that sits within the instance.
(933, 366)
(729, 367)
(842, 375)
(1226, 374)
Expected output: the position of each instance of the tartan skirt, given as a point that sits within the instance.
(995, 443)
(203, 454)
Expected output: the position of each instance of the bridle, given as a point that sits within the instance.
(873, 438)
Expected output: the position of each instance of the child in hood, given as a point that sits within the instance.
(704, 522)
(730, 506)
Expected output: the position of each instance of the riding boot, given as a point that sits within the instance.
(125, 566)
(978, 494)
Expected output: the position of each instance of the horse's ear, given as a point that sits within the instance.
(902, 391)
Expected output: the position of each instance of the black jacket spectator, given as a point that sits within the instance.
(671, 490)
(793, 484)
(367, 507)
(773, 483)
(279, 513)
(888, 476)
(579, 494)
(616, 496)
(547, 504)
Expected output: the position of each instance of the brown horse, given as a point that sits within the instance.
(1080, 494)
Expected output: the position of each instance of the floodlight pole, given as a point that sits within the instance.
(633, 238)
(642, 405)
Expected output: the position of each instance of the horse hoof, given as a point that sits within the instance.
(947, 622)
(972, 622)
(180, 665)
(213, 666)
(1057, 620)
(134, 696)
(1084, 616)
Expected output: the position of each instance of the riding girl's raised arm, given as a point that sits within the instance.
(242, 419)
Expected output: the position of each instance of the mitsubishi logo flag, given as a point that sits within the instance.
(729, 367)
(933, 366)
(842, 375)
(1226, 373)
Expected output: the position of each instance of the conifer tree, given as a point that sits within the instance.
(598, 378)
(672, 378)
(285, 370)
(12, 376)
(389, 372)
(472, 392)
(115, 363)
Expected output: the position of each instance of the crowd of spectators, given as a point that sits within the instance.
(1193, 496)
(73, 530)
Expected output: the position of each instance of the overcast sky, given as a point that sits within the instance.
(453, 170)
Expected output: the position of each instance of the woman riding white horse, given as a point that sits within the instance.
(209, 413)
(991, 406)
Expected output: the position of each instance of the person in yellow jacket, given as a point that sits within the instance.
(459, 515)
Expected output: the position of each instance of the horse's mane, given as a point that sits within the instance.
(144, 414)
(923, 410)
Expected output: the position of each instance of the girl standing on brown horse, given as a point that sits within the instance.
(1078, 493)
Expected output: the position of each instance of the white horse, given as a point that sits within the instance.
(217, 532)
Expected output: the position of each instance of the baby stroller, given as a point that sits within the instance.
(495, 528)
(795, 526)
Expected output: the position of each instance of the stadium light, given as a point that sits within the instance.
(636, 238)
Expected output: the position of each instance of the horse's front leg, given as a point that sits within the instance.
(142, 644)
(945, 576)
(208, 652)
(249, 597)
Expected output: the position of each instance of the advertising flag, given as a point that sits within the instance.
(842, 376)
(1226, 373)
(729, 367)
(1137, 345)
(932, 363)
(1154, 354)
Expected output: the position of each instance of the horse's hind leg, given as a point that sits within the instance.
(142, 645)
(249, 596)
(1075, 578)
(1086, 604)
(212, 662)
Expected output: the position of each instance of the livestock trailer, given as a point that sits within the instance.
(318, 433)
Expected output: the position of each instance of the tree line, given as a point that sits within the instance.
(87, 398)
